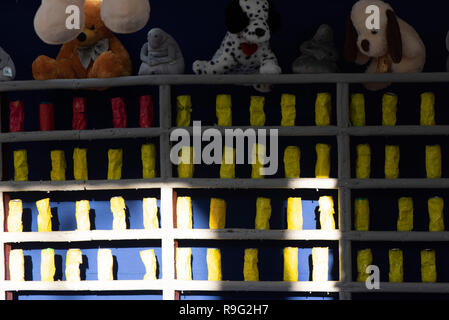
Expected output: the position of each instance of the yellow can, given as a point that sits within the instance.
(364, 260)
(257, 113)
(58, 165)
(20, 165)
(357, 110)
(250, 266)
(427, 109)
(184, 111)
(115, 157)
(292, 159)
(80, 164)
(217, 216)
(433, 162)
(405, 220)
(363, 166)
(288, 107)
(323, 109)
(392, 158)
(224, 110)
(263, 213)
(214, 264)
(389, 109)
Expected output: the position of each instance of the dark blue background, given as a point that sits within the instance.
(198, 26)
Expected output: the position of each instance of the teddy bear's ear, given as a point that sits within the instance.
(59, 21)
(125, 16)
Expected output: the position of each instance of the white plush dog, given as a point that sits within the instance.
(395, 47)
(246, 46)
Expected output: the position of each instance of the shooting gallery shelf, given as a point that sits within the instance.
(246, 286)
(168, 186)
(240, 184)
(299, 131)
(77, 84)
(158, 183)
(80, 135)
(158, 234)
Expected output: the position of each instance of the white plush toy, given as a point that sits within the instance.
(246, 46)
(394, 47)
(61, 21)
(161, 54)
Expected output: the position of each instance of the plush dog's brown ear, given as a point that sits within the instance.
(394, 38)
(351, 49)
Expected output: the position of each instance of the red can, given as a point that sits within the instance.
(146, 111)
(79, 121)
(119, 117)
(47, 116)
(16, 116)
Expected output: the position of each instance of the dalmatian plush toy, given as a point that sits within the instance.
(246, 46)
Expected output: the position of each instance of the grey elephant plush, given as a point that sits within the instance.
(319, 54)
(161, 54)
(7, 68)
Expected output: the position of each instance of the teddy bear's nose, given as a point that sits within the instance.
(365, 45)
(82, 37)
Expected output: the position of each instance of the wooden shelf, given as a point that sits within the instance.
(70, 135)
(29, 186)
(118, 285)
(246, 234)
(397, 236)
(190, 79)
(80, 236)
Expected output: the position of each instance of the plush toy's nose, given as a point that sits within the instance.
(365, 45)
(82, 37)
(260, 32)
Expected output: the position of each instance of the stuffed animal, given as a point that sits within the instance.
(7, 67)
(395, 47)
(246, 46)
(95, 53)
(319, 55)
(161, 54)
(61, 21)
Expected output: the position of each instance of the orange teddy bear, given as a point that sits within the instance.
(95, 53)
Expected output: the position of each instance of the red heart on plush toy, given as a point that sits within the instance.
(249, 48)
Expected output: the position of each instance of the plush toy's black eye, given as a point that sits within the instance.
(374, 31)
(92, 28)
